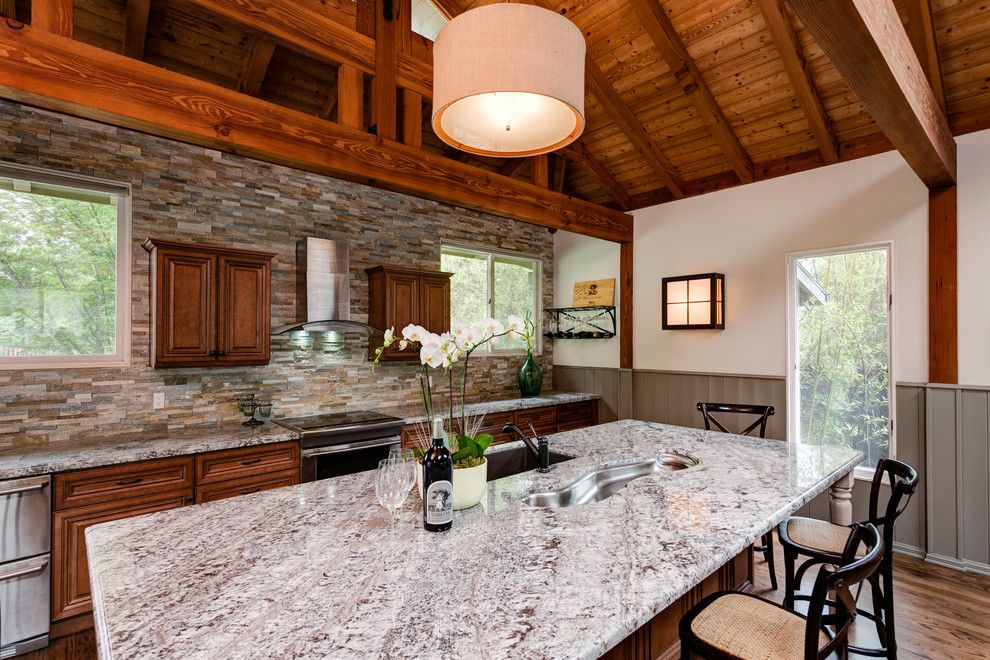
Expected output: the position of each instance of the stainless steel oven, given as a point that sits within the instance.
(25, 564)
(336, 444)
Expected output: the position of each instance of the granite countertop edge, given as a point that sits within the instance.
(100, 450)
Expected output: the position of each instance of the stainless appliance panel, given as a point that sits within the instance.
(337, 460)
(24, 604)
(25, 517)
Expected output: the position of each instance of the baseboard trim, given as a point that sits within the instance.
(976, 567)
(909, 550)
(946, 562)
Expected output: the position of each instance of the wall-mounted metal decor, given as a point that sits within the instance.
(693, 302)
(580, 322)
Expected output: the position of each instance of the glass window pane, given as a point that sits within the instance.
(58, 255)
(515, 292)
(468, 286)
(842, 348)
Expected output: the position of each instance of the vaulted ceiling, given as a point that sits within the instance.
(683, 96)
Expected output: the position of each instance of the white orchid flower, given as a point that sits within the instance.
(515, 324)
(389, 336)
(474, 336)
(458, 329)
(431, 356)
(430, 338)
(492, 327)
(413, 332)
(403, 344)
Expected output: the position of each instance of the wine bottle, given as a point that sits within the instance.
(438, 486)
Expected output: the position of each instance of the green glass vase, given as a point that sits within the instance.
(530, 377)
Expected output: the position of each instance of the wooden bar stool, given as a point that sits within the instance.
(823, 543)
(730, 624)
(763, 413)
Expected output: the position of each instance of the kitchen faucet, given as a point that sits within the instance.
(541, 448)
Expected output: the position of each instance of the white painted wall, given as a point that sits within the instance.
(973, 160)
(746, 233)
(576, 259)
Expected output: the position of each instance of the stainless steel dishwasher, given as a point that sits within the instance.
(25, 564)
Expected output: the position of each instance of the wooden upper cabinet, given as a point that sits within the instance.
(211, 305)
(400, 296)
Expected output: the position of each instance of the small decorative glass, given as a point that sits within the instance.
(263, 408)
(248, 405)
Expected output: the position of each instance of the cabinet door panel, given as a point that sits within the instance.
(245, 462)
(70, 578)
(435, 307)
(544, 420)
(246, 486)
(244, 317)
(403, 307)
(185, 328)
(122, 482)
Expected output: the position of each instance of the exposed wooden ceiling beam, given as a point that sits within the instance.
(559, 173)
(55, 16)
(866, 42)
(256, 65)
(921, 31)
(800, 76)
(670, 47)
(578, 152)
(65, 75)
(449, 8)
(513, 166)
(136, 27)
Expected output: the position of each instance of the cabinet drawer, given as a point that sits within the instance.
(246, 486)
(245, 462)
(493, 425)
(576, 415)
(544, 420)
(108, 484)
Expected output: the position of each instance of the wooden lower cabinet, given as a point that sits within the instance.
(246, 486)
(260, 460)
(70, 572)
(659, 638)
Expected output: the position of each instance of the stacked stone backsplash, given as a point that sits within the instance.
(187, 193)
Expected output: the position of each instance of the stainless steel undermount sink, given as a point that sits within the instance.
(605, 482)
(507, 462)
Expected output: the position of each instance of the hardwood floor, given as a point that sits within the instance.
(941, 614)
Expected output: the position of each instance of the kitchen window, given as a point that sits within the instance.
(492, 284)
(64, 270)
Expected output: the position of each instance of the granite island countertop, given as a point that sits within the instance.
(313, 570)
(101, 449)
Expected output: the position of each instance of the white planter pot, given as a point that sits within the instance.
(469, 485)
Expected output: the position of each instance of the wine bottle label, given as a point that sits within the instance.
(439, 503)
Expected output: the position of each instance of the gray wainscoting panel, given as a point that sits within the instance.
(614, 385)
(909, 432)
(942, 433)
(974, 501)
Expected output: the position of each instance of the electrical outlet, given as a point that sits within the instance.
(158, 400)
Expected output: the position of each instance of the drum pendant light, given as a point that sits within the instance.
(508, 80)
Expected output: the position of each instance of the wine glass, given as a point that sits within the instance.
(392, 485)
(264, 408)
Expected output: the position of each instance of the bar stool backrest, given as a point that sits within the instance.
(762, 412)
(903, 481)
(841, 580)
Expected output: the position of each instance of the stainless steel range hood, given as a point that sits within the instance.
(323, 291)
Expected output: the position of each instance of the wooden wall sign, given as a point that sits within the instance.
(594, 293)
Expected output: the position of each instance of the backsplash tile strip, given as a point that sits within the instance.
(197, 195)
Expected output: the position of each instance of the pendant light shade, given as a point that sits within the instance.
(508, 80)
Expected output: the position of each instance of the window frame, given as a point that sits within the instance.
(490, 254)
(121, 357)
(793, 395)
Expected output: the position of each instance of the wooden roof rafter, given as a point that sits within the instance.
(668, 44)
(798, 73)
(256, 66)
(921, 31)
(136, 27)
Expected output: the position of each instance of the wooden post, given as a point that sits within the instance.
(350, 96)
(53, 16)
(943, 335)
(136, 27)
(384, 112)
(412, 118)
(626, 305)
(541, 170)
(840, 500)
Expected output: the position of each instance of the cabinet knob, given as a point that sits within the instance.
(217, 353)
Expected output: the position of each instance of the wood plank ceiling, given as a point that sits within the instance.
(684, 96)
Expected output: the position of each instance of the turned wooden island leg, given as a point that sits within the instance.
(840, 500)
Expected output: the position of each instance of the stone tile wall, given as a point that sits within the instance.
(188, 193)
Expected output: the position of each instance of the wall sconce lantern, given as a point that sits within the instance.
(693, 302)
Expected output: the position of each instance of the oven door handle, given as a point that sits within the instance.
(23, 569)
(352, 446)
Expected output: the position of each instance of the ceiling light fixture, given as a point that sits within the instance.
(508, 80)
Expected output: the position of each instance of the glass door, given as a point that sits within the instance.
(839, 348)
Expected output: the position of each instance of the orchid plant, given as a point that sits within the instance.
(444, 351)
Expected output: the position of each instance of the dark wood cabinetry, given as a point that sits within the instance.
(211, 306)
(87, 497)
(545, 419)
(400, 296)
